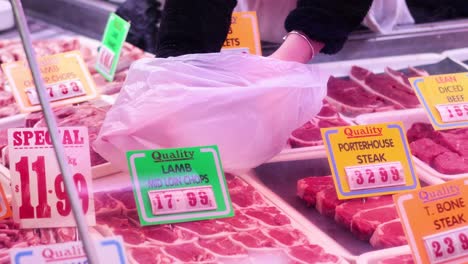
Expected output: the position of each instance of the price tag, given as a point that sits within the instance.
(445, 99)
(65, 75)
(369, 160)
(179, 185)
(434, 219)
(113, 40)
(38, 191)
(243, 35)
(109, 250)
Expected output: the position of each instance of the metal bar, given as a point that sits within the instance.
(52, 126)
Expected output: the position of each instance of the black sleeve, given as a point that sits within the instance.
(193, 26)
(144, 16)
(328, 21)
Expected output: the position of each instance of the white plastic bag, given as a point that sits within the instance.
(384, 15)
(246, 105)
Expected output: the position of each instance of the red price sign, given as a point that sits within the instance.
(453, 112)
(448, 245)
(39, 196)
(182, 200)
(375, 175)
(58, 91)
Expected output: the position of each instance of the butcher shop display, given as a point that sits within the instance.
(373, 219)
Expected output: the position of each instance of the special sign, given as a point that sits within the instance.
(445, 99)
(369, 160)
(435, 222)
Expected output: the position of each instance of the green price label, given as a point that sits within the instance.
(179, 185)
(113, 40)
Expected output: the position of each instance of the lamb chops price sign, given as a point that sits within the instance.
(435, 222)
(66, 79)
(179, 185)
(38, 190)
(445, 99)
(369, 160)
(112, 42)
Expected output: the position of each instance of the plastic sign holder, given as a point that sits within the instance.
(39, 196)
(113, 40)
(435, 222)
(179, 185)
(111, 250)
(445, 99)
(244, 34)
(369, 160)
(66, 76)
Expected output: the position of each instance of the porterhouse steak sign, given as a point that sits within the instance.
(177, 185)
(369, 160)
(38, 191)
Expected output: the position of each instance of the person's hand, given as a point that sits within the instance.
(297, 48)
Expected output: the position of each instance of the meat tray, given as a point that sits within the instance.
(384, 256)
(408, 117)
(431, 62)
(278, 182)
(240, 200)
(458, 55)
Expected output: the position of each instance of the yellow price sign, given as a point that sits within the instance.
(445, 99)
(66, 77)
(369, 160)
(244, 34)
(434, 219)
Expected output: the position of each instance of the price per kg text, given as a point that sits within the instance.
(58, 91)
(375, 176)
(448, 245)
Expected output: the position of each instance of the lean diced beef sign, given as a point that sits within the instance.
(258, 233)
(373, 218)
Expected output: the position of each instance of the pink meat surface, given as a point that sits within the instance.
(419, 131)
(126, 197)
(344, 212)
(365, 222)
(189, 252)
(254, 239)
(385, 86)
(327, 201)
(149, 255)
(351, 99)
(426, 149)
(287, 236)
(450, 163)
(222, 246)
(166, 234)
(307, 188)
(311, 254)
(389, 234)
(270, 216)
(207, 228)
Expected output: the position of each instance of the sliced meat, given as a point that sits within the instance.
(344, 212)
(254, 239)
(311, 254)
(403, 259)
(189, 252)
(327, 201)
(207, 228)
(307, 188)
(419, 131)
(288, 236)
(450, 163)
(389, 234)
(365, 222)
(269, 216)
(143, 255)
(426, 149)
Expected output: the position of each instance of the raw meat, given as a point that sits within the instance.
(257, 233)
(125, 197)
(384, 86)
(189, 253)
(403, 259)
(307, 188)
(403, 77)
(309, 133)
(344, 212)
(327, 201)
(86, 115)
(419, 130)
(106, 205)
(351, 99)
(450, 163)
(365, 222)
(389, 234)
(426, 149)
(311, 254)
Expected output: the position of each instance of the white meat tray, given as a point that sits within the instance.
(375, 256)
(315, 235)
(408, 117)
(458, 55)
